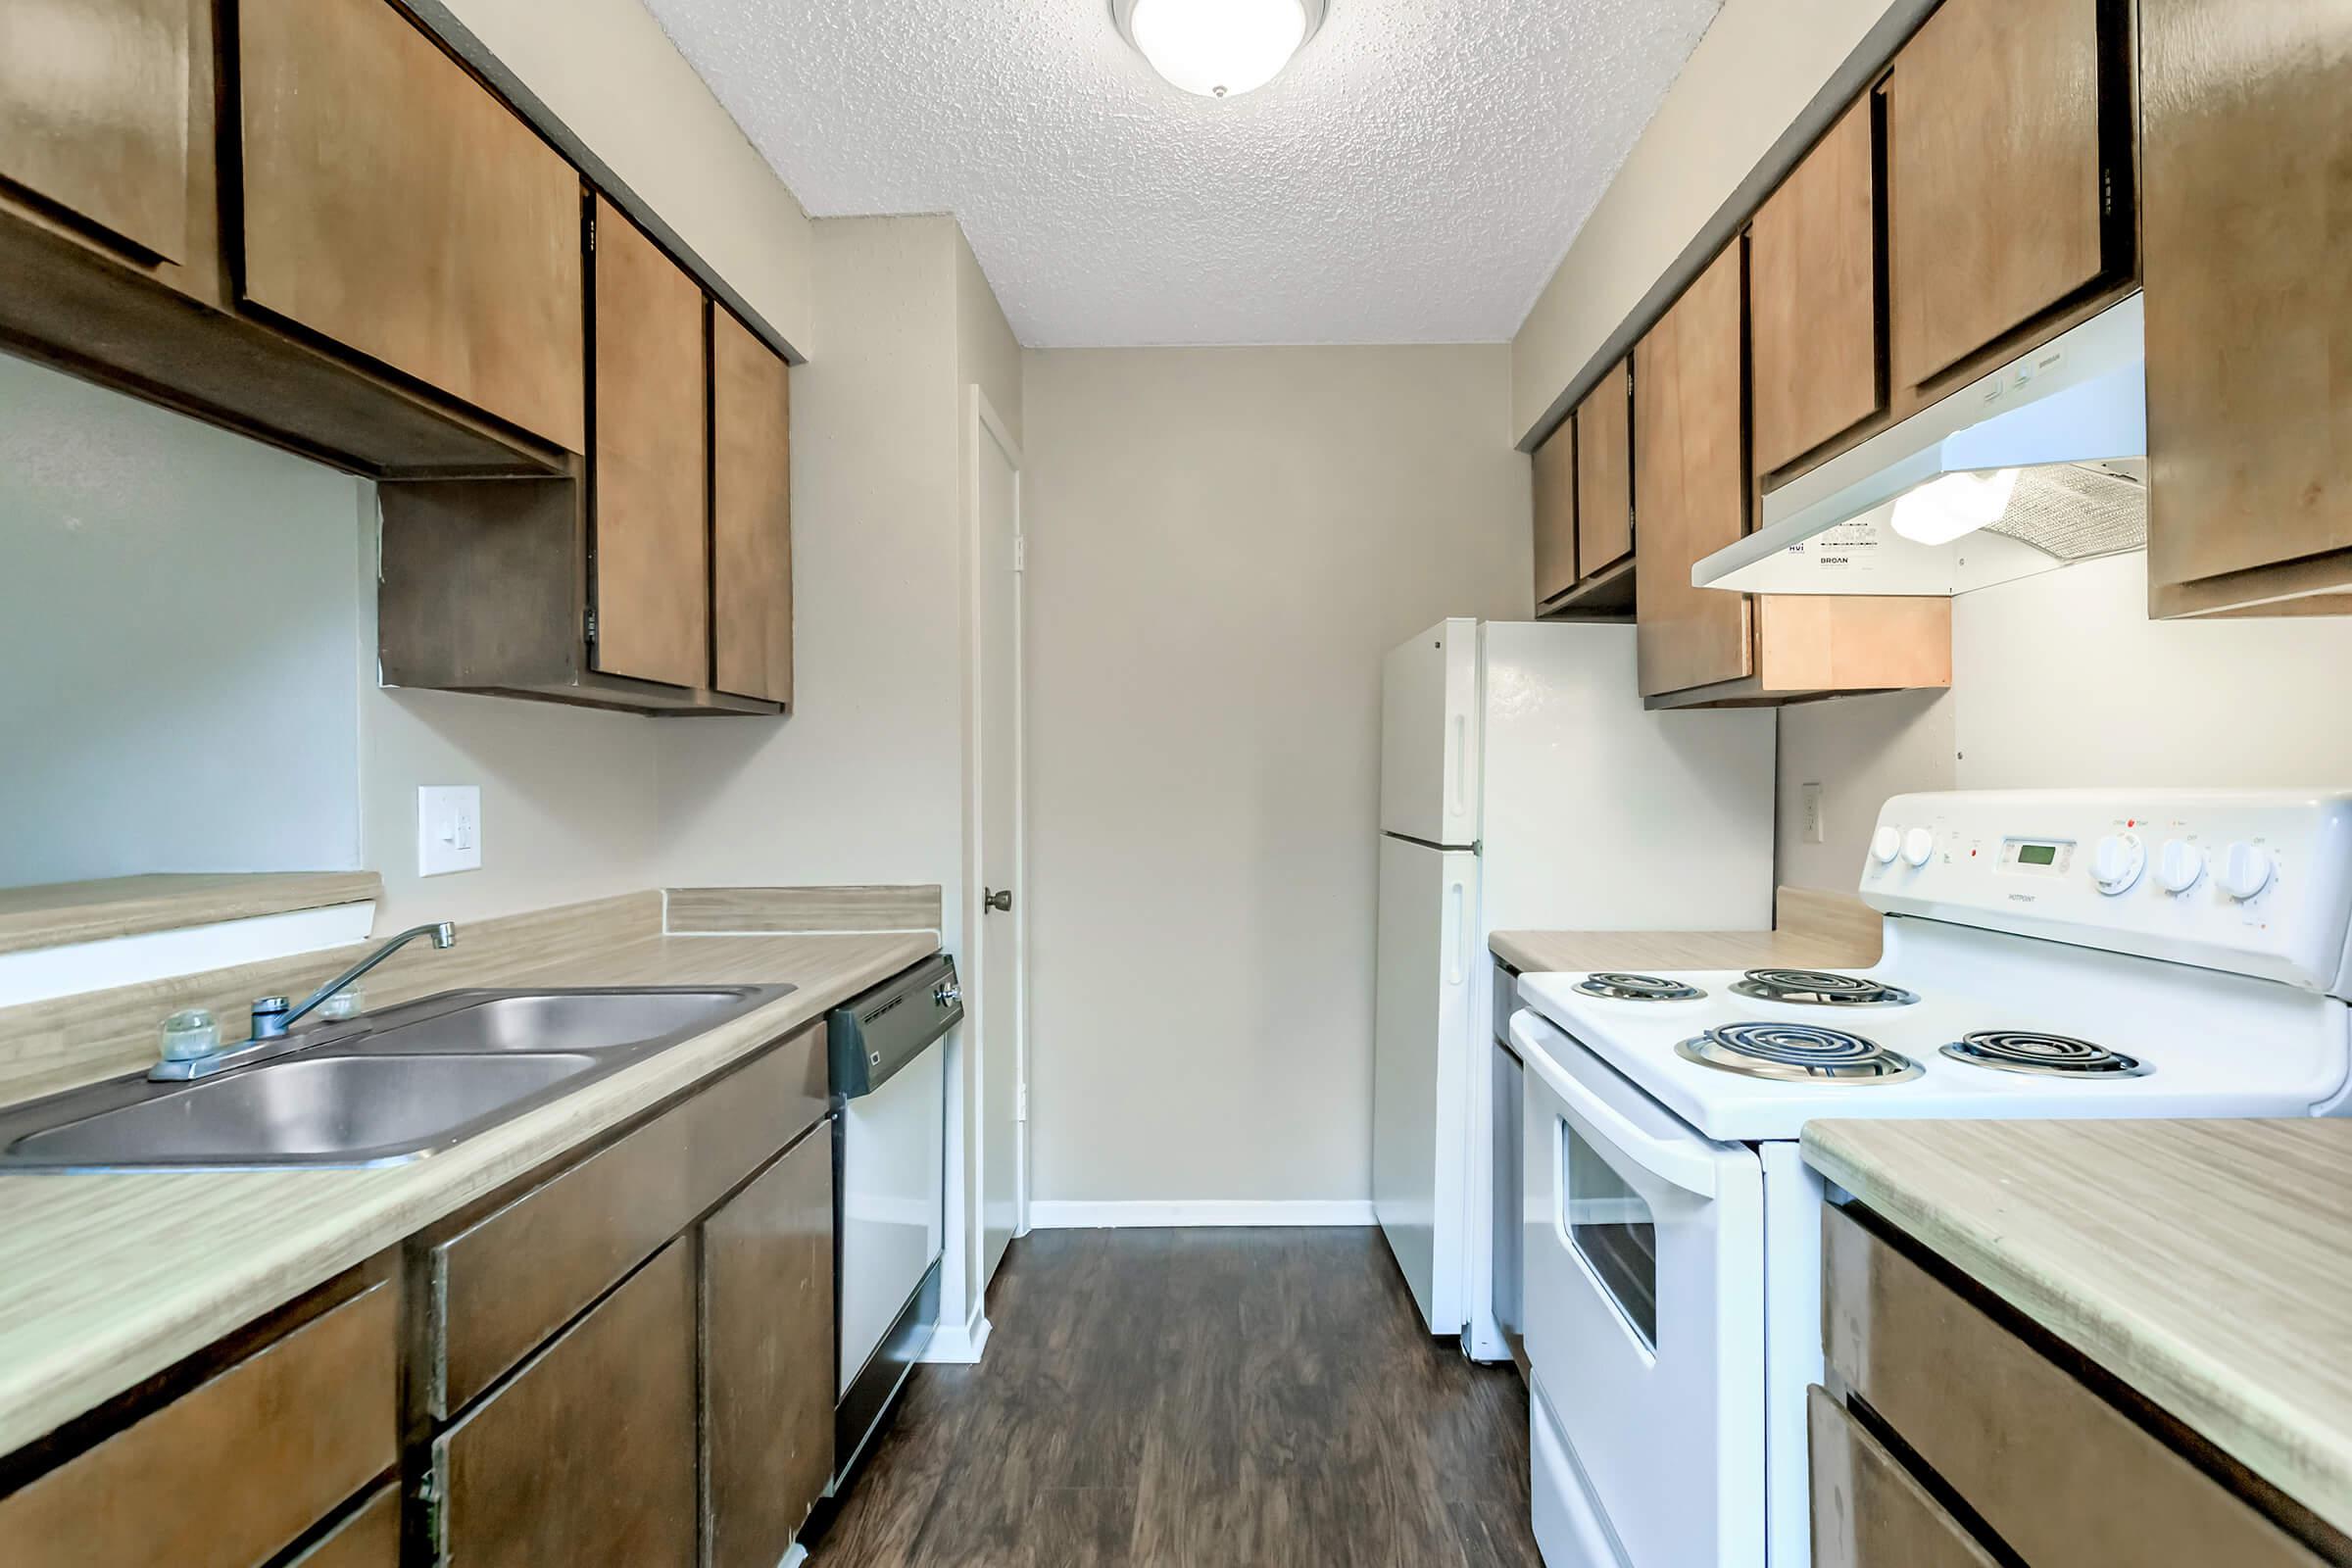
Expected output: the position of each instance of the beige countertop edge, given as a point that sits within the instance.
(107, 1280)
(65, 913)
(2267, 1424)
(1553, 951)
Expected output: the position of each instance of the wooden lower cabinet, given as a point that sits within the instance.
(233, 1470)
(587, 1456)
(369, 1538)
(2053, 1468)
(1868, 1510)
(768, 1353)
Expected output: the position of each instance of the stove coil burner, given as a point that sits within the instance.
(1636, 988)
(2050, 1055)
(1821, 988)
(1800, 1053)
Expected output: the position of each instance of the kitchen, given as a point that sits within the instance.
(1051, 641)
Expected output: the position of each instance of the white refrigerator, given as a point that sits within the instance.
(1523, 786)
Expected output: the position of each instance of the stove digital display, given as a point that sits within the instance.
(2037, 854)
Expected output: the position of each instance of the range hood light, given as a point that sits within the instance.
(1956, 504)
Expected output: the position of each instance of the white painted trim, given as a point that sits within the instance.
(959, 1344)
(41, 973)
(1050, 1213)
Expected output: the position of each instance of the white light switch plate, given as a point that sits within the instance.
(449, 828)
(1816, 830)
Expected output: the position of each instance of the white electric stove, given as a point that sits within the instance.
(2048, 954)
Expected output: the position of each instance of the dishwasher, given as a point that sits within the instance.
(888, 1065)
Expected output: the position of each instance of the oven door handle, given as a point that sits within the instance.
(1686, 1163)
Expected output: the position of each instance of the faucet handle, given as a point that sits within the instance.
(270, 1016)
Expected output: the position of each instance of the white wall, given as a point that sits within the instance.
(1753, 76)
(863, 781)
(1223, 545)
(2061, 680)
(178, 688)
(187, 680)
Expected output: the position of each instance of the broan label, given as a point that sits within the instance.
(1851, 549)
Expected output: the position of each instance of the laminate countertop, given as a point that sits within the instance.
(2207, 1265)
(107, 1280)
(1814, 931)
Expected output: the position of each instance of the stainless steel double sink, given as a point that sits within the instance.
(378, 1088)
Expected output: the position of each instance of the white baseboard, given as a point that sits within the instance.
(1050, 1214)
(959, 1344)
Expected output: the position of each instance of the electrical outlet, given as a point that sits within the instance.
(1816, 831)
(449, 828)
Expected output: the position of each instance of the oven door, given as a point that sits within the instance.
(1644, 1251)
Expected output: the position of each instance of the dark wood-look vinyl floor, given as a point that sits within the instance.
(1176, 1397)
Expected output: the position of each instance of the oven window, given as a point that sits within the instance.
(1613, 1229)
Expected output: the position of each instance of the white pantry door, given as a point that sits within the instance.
(1001, 938)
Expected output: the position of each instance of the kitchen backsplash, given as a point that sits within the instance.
(2059, 681)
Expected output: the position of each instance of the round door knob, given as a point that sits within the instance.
(1885, 843)
(2246, 871)
(1918, 845)
(2118, 861)
(2180, 866)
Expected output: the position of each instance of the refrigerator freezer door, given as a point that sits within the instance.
(1422, 1064)
(1428, 762)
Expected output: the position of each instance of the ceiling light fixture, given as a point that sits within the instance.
(1217, 48)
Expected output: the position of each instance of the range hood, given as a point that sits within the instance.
(2039, 464)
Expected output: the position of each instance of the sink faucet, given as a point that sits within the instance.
(273, 1017)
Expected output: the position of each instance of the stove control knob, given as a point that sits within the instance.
(2245, 870)
(2116, 864)
(1887, 844)
(1918, 845)
(2180, 866)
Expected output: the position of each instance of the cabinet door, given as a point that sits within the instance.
(1691, 482)
(393, 205)
(1993, 173)
(1868, 1512)
(235, 1470)
(768, 1355)
(751, 513)
(2248, 134)
(1604, 473)
(94, 114)
(1556, 512)
(652, 531)
(1813, 294)
(588, 1455)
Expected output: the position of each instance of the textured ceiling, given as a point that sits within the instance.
(1414, 176)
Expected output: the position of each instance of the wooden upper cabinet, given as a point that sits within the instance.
(1604, 472)
(2246, 205)
(392, 204)
(751, 513)
(651, 577)
(1555, 514)
(1995, 175)
(1814, 296)
(94, 114)
(1691, 482)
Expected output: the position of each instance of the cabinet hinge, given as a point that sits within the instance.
(2106, 193)
(592, 231)
(588, 626)
(1020, 552)
(1021, 1104)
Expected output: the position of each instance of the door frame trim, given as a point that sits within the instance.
(982, 424)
